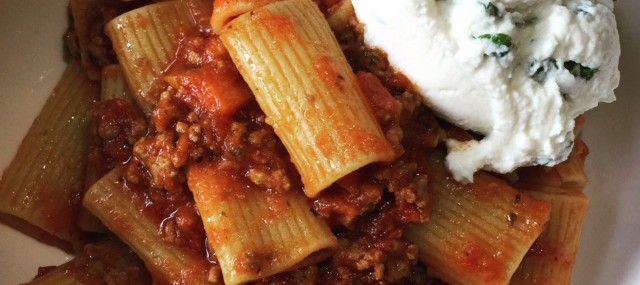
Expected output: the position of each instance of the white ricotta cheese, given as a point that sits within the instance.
(516, 71)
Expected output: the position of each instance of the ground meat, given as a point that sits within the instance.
(174, 211)
(158, 155)
(182, 134)
(119, 125)
(169, 110)
(348, 199)
(406, 178)
(108, 262)
(254, 147)
(373, 252)
(367, 209)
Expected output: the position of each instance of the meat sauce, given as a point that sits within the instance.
(197, 120)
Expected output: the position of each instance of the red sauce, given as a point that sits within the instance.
(208, 121)
(551, 252)
(385, 108)
(253, 261)
(217, 181)
(360, 139)
(477, 260)
(276, 25)
(325, 68)
(222, 5)
(209, 117)
(201, 11)
(246, 148)
(108, 262)
(207, 90)
(373, 252)
(175, 214)
(119, 125)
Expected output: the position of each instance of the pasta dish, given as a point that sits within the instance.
(264, 142)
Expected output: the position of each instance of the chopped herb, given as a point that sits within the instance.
(498, 39)
(538, 70)
(502, 42)
(583, 9)
(580, 11)
(579, 70)
(491, 10)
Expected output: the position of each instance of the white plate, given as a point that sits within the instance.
(30, 64)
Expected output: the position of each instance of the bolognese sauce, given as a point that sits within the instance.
(196, 121)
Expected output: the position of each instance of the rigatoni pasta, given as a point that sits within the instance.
(292, 62)
(166, 262)
(44, 182)
(254, 236)
(145, 41)
(113, 86)
(551, 258)
(478, 232)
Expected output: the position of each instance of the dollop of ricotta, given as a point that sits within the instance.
(516, 71)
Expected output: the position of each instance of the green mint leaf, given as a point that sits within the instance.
(579, 70)
(498, 39)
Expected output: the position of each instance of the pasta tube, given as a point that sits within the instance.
(43, 183)
(145, 41)
(477, 233)
(168, 263)
(289, 57)
(255, 236)
(113, 86)
(552, 256)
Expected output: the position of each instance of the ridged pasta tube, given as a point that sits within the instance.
(44, 182)
(168, 263)
(551, 259)
(255, 235)
(301, 79)
(477, 233)
(145, 41)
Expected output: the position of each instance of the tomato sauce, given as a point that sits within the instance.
(206, 113)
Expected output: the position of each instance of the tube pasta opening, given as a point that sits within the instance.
(289, 57)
